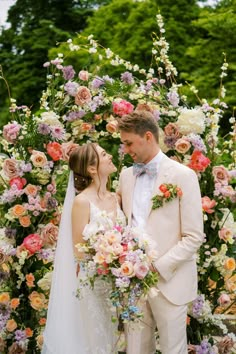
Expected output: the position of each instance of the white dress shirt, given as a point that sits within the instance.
(143, 190)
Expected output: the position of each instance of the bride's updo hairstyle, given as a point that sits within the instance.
(79, 161)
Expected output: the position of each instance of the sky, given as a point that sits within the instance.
(4, 7)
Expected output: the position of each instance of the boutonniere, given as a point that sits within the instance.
(168, 192)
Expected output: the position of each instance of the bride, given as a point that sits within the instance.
(82, 326)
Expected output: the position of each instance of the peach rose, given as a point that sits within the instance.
(112, 126)
(31, 189)
(10, 168)
(4, 298)
(39, 340)
(83, 75)
(11, 325)
(230, 283)
(85, 127)
(49, 234)
(37, 301)
(25, 220)
(83, 96)
(18, 210)
(220, 175)
(54, 150)
(15, 302)
(230, 264)
(127, 269)
(182, 146)
(225, 234)
(38, 158)
(141, 270)
(208, 204)
(67, 148)
(144, 107)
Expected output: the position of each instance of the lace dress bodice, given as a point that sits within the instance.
(100, 331)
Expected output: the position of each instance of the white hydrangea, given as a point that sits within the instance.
(191, 121)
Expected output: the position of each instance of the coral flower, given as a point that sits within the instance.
(198, 161)
(208, 204)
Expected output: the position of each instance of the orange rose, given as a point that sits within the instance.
(18, 210)
(14, 303)
(230, 283)
(85, 127)
(182, 146)
(230, 264)
(54, 150)
(4, 298)
(29, 332)
(25, 220)
(42, 321)
(37, 301)
(30, 280)
(11, 325)
(31, 189)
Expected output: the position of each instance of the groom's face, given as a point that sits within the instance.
(136, 146)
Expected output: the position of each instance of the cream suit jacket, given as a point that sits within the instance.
(177, 228)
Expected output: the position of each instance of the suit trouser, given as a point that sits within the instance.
(170, 321)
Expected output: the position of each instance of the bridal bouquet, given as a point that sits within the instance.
(122, 256)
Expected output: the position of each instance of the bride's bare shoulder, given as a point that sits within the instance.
(81, 200)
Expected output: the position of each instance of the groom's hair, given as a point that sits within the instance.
(139, 122)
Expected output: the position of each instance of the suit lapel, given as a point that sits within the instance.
(130, 193)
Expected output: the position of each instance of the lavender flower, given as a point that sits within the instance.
(72, 116)
(122, 282)
(127, 78)
(43, 129)
(10, 233)
(71, 88)
(97, 82)
(68, 72)
(20, 335)
(197, 306)
(173, 98)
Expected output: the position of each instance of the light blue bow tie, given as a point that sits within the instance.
(140, 168)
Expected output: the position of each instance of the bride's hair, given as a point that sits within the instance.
(79, 161)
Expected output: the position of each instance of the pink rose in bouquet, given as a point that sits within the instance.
(11, 132)
(122, 256)
(32, 243)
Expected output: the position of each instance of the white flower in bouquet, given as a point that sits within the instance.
(191, 121)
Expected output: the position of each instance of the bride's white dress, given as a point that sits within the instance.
(81, 326)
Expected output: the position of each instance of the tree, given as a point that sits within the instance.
(36, 26)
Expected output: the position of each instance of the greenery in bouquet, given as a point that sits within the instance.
(121, 256)
(85, 104)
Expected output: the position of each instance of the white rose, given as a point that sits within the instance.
(191, 121)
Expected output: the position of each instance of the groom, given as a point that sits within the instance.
(177, 228)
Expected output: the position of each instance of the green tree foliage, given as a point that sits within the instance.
(36, 26)
(216, 27)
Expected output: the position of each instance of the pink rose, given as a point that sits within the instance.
(10, 168)
(83, 96)
(171, 129)
(220, 175)
(49, 234)
(11, 132)
(38, 158)
(208, 204)
(122, 107)
(83, 75)
(112, 126)
(18, 182)
(54, 150)
(225, 234)
(182, 146)
(67, 148)
(32, 243)
(224, 300)
(141, 270)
